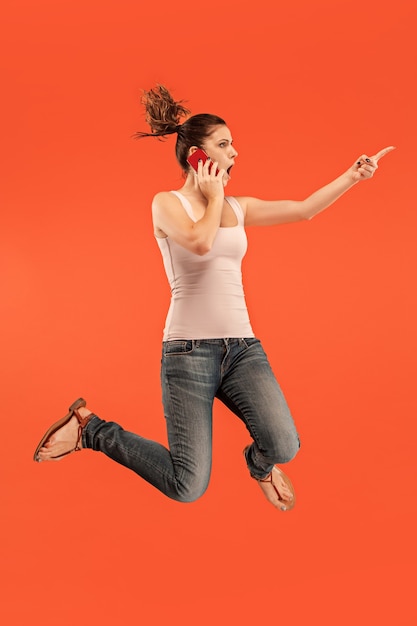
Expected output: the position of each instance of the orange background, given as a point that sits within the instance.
(306, 88)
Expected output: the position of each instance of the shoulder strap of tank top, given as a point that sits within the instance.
(186, 204)
(237, 209)
(230, 199)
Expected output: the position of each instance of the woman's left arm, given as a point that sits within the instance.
(269, 212)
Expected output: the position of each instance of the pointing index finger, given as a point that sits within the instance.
(382, 153)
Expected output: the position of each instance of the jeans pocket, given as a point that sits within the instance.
(178, 346)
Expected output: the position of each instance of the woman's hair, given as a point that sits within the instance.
(163, 115)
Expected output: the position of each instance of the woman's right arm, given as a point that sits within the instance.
(170, 219)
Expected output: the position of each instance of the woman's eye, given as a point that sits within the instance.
(222, 145)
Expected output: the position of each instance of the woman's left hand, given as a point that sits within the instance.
(365, 166)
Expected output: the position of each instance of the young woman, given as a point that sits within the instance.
(209, 349)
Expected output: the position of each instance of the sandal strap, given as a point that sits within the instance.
(82, 421)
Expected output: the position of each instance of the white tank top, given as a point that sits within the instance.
(207, 298)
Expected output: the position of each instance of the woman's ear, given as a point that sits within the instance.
(192, 150)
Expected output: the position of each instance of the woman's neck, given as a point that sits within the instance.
(191, 189)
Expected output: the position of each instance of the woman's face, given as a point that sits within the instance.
(219, 147)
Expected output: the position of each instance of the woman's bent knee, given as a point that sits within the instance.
(190, 492)
(189, 496)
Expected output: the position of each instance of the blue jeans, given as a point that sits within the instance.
(193, 373)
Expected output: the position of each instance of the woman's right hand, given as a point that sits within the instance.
(210, 183)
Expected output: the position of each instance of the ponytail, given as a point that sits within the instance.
(163, 114)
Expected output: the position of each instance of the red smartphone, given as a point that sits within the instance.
(196, 156)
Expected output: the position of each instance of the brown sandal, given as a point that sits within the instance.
(270, 490)
(83, 421)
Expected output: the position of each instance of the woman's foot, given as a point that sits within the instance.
(278, 489)
(65, 440)
(64, 436)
